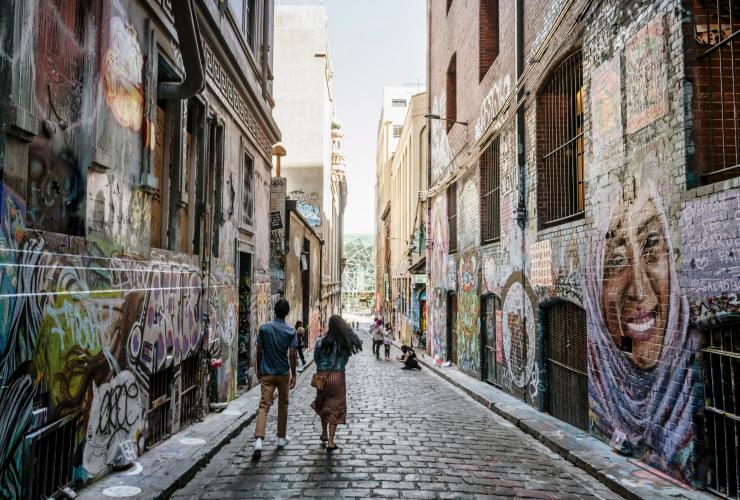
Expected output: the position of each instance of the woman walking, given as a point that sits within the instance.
(331, 354)
(301, 334)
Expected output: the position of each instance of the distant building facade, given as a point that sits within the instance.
(582, 216)
(408, 177)
(396, 101)
(314, 165)
(358, 281)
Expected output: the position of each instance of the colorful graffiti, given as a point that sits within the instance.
(468, 314)
(644, 380)
(437, 257)
(518, 334)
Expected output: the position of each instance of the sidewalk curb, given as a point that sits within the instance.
(622, 475)
(166, 470)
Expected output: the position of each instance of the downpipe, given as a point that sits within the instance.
(191, 49)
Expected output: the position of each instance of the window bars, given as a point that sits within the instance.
(560, 144)
(721, 366)
(490, 182)
(452, 216)
(717, 93)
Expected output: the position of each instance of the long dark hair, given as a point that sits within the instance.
(298, 324)
(341, 335)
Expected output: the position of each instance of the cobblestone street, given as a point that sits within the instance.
(409, 435)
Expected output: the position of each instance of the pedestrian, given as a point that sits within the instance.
(378, 334)
(301, 334)
(331, 355)
(409, 359)
(276, 370)
(387, 341)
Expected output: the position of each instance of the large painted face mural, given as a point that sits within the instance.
(643, 377)
(635, 298)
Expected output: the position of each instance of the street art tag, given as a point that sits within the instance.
(115, 417)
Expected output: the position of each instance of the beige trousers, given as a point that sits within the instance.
(269, 383)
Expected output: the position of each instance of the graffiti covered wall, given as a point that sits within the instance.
(90, 308)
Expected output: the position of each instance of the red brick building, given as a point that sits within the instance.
(583, 220)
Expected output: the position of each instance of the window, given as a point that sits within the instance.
(449, 3)
(191, 172)
(452, 216)
(248, 191)
(487, 35)
(490, 181)
(57, 167)
(216, 180)
(398, 103)
(451, 90)
(560, 144)
(245, 14)
(716, 96)
(397, 129)
(250, 23)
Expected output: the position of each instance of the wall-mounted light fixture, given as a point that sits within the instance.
(437, 117)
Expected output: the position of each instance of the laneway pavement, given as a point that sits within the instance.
(409, 434)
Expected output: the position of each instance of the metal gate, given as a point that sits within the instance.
(567, 364)
(721, 366)
(52, 457)
(189, 395)
(159, 427)
(452, 327)
(492, 371)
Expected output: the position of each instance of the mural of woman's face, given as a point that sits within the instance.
(636, 287)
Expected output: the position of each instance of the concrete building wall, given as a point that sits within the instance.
(644, 376)
(407, 175)
(304, 107)
(305, 111)
(396, 101)
(113, 277)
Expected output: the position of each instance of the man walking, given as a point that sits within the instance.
(276, 369)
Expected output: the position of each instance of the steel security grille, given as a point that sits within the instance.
(721, 366)
(560, 144)
(189, 401)
(567, 364)
(493, 342)
(490, 181)
(159, 407)
(717, 93)
(52, 455)
(452, 216)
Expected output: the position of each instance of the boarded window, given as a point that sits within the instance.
(451, 93)
(487, 35)
(452, 216)
(248, 191)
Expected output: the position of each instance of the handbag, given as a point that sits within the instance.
(319, 379)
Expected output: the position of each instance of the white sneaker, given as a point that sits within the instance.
(283, 442)
(257, 453)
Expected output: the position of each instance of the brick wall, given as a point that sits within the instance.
(649, 262)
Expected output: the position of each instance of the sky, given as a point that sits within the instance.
(372, 44)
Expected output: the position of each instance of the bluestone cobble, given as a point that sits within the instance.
(408, 435)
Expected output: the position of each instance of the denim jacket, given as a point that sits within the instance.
(331, 361)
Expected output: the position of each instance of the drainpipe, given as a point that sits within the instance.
(521, 209)
(265, 46)
(191, 49)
